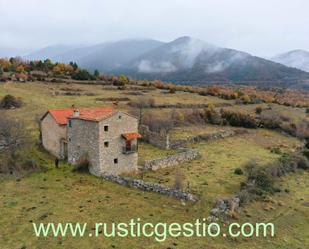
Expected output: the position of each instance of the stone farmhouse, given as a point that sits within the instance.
(107, 136)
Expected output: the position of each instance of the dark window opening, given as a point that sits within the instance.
(120, 117)
(115, 160)
(106, 128)
(128, 145)
(70, 123)
(106, 144)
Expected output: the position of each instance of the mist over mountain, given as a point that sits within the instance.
(296, 58)
(183, 60)
(51, 52)
(13, 52)
(192, 61)
(104, 56)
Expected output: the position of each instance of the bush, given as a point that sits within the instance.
(306, 153)
(144, 102)
(178, 117)
(270, 123)
(258, 110)
(238, 171)
(82, 75)
(275, 150)
(239, 119)
(264, 180)
(159, 125)
(303, 163)
(212, 116)
(172, 90)
(9, 102)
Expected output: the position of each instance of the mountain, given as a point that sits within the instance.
(12, 52)
(112, 55)
(192, 61)
(51, 52)
(185, 60)
(103, 56)
(296, 58)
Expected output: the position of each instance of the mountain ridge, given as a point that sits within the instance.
(183, 60)
(297, 58)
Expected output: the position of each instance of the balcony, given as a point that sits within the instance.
(129, 149)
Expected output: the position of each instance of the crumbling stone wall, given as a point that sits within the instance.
(172, 160)
(199, 138)
(160, 140)
(150, 187)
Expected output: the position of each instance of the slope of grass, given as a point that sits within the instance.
(60, 195)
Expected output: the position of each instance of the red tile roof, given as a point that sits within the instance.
(131, 135)
(94, 114)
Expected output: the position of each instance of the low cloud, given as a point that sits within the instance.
(146, 66)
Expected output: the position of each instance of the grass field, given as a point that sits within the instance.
(61, 195)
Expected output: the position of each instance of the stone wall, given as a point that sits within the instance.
(150, 187)
(160, 140)
(172, 160)
(199, 138)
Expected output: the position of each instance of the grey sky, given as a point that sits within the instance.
(261, 27)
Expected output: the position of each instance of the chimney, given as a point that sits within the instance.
(76, 112)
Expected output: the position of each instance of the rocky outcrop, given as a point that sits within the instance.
(224, 209)
(150, 187)
(169, 161)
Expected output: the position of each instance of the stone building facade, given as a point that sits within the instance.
(107, 137)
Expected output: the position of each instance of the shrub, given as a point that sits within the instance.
(172, 90)
(239, 119)
(275, 150)
(195, 116)
(303, 163)
(270, 123)
(258, 110)
(306, 153)
(212, 116)
(82, 75)
(178, 117)
(245, 99)
(144, 102)
(9, 102)
(238, 171)
(159, 125)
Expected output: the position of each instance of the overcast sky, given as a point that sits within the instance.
(260, 27)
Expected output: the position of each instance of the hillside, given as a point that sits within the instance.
(296, 58)
(64, 195)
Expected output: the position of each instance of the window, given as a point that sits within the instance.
(70, 123)
(106, 128)
(106, 144)
(119, 117)
(115, 160)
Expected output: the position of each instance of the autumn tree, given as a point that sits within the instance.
(13, 135)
